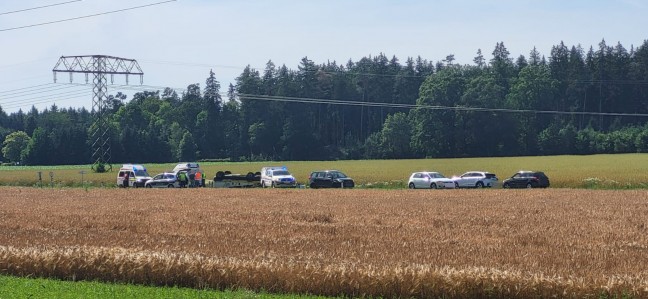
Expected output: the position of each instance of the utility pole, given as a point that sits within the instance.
(99, 66)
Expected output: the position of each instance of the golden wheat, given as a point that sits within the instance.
(396, 243)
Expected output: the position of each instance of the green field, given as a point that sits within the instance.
(617, 171)
(15, 287)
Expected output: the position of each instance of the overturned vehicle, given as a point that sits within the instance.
(227, 179)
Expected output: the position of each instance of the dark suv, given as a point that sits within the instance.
(329, 179)
(527, 179)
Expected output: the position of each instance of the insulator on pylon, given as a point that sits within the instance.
(86, 75)
(112, 79)
(126, 79)
(71, 77)
(54, 76)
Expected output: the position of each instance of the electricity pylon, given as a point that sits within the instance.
(99, 66)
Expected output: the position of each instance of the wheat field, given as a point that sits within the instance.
(357, 243)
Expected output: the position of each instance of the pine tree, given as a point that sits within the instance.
(479, 59)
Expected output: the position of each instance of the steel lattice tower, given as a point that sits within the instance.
(99, 66)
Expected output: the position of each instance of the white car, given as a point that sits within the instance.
(276, 177)
(429, 180)
(476, 179)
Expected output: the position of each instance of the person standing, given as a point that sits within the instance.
(182, 177)
(198, 179)
(126, 181)
(192, 179)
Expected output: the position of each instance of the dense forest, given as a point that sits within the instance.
(575, 101)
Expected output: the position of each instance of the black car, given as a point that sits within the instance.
(329, 179)
(527, 179)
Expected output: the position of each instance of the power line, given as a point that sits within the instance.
(88, 16)
(32, 92)
(39, 7)
(428, 107)
(393, 105)
(76, 92)
(42, 102)
(30, 87)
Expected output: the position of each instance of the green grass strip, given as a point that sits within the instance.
(17, 287)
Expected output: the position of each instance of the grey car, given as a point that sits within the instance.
(163, 180)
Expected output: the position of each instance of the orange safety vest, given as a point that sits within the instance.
(198, 176)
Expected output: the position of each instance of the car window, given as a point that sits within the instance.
(417, 175)
(340, 175)
(440, 176)
(490, 175)
(517, 176)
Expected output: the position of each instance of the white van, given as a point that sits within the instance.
(276, 177)
(137, 176)
(191, 168)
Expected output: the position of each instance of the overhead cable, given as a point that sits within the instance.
(32, 92)
(88, 16)
(14, 106)
(29, 87)
(39, 7)
(428, 107)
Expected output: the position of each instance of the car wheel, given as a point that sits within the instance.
(529, 185)
(479, 185)
(313, 186)
(149, 186)
(411, 186)
(506, 186)
(170, 186)
(433, 186)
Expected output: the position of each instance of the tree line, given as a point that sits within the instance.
(574, 101)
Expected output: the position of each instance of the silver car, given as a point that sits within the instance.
(476, 179)
(163, 180)
(429, 180)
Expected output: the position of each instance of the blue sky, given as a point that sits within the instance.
(179, 42)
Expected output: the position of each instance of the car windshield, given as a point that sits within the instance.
(141, 172)
(280, 172)
(436, 175)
